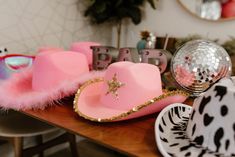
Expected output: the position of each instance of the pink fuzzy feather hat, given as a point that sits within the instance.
(53, 76)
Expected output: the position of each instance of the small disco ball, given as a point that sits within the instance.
(198, 64)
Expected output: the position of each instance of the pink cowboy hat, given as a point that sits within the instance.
(49, 49)
(53, 76)
(85, 48)
(127, 90)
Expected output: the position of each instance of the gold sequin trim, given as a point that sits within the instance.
(125, 114)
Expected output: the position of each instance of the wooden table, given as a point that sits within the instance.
(133, 137)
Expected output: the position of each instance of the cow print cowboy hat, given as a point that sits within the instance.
(205, 130)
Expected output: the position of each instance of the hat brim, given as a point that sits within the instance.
(170, 133)
(87, 103)
(17, 92)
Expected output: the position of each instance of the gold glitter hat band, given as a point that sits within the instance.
(127, 113)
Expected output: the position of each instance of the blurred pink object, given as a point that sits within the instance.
(52, 77)
(85, 48)
(228, 9)
(50, 49)
(183, 76)
(128, 90)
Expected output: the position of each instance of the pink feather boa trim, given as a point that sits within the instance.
(17, 93)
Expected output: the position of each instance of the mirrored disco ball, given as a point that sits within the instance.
(198, 64)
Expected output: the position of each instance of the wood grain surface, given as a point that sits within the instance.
(132, 137)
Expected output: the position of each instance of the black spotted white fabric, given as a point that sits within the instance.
(205, 130)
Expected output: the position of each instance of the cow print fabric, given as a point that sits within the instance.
(206, 130)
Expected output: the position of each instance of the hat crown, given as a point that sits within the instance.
(212, 121)
(127, 84)
(51, 69)
(84, 48)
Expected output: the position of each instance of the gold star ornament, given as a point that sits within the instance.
(114, 85)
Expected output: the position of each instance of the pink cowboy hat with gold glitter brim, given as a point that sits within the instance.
(53, 76)
(127, 90)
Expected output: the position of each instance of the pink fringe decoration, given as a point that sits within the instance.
(17, 93)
